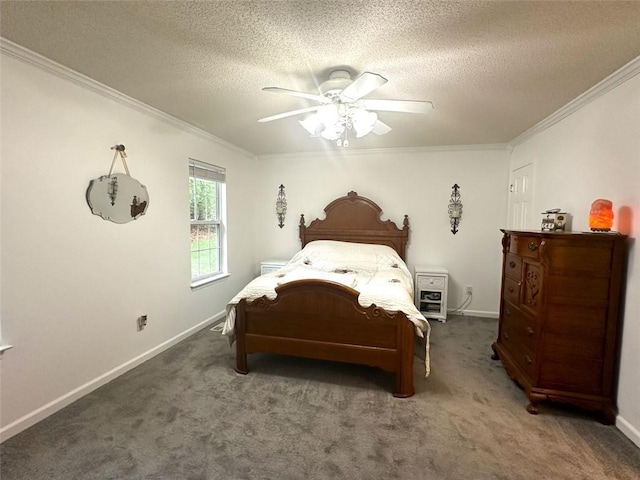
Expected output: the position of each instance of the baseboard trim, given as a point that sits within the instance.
(474, 313)
(628, 430)
(52, 407)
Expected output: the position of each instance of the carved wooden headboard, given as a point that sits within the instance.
(356, 219)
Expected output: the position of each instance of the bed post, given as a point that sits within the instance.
(241, 330)
(404, 374)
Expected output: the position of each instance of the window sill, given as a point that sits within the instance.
(207, 281)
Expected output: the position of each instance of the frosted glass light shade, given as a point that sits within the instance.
(331, 122)
(363, 122)
(328, 114)
(311, 124)
(332, 132)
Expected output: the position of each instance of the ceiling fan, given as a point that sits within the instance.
(342, 107)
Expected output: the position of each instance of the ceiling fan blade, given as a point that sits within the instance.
(380, 128)
(294, 93)
(289, 114)
(364, 84)
(404, 106)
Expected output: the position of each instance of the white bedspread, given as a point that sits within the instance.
(376, 271)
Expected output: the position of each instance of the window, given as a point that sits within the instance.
(207, 215)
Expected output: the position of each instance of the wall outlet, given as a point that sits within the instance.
(142, 322)
(468, 290)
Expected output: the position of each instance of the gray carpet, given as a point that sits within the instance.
(187, 415)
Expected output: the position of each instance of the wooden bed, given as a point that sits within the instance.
(322, 319)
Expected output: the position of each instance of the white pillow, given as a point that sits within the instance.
(362, 258)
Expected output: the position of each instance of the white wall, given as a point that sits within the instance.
(74, 284)
(595, 153)
(413, 182)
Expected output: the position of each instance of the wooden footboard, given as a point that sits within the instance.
(323, 320)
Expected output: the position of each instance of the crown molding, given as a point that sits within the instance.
(30, 57)
(345, 152)
(617, 78)
(14, 50)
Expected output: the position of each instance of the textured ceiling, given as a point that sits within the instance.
(492, 69)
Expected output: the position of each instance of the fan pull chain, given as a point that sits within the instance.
(345, 142)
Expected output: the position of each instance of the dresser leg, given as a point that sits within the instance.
(495, 355)
(534, 399)
(532, 408)
(607, 416)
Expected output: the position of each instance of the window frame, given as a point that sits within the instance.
(208, 172)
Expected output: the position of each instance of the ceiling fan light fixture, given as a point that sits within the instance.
(332, 132)
(343, 108)
(338, 81)
(380, 128)
(333, 120)
(363, 122)
(329, 114)
(312, 124)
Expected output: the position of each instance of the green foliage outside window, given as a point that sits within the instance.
(205, 227)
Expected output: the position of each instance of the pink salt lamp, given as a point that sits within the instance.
(601, 215)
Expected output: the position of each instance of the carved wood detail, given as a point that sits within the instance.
(353, 218)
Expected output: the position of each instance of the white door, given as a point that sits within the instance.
(521, 196)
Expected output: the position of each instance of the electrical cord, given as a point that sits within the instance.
(465, 303)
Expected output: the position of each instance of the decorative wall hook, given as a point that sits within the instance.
(455, 208)
(281, 206)
(119, 151)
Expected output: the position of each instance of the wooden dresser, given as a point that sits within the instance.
(559, 311)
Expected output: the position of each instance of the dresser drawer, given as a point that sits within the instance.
(425, 281)
(518, 335)
(511, 291)
(522, 357)
(583, 376)
(519, 326)
(513, 266)
(524, 246)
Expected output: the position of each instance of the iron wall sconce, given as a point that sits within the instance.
(281, 206)
(455, 208)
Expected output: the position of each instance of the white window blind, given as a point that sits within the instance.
(206, 171)
(207, 199)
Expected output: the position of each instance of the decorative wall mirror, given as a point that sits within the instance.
(117, 197)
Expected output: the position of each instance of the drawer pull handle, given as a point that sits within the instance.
(512, 264)
(528, 359)
(530, 331)
(507, 312)
(505, 335)
(532, 246)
